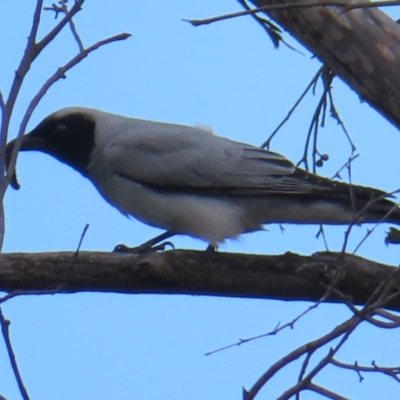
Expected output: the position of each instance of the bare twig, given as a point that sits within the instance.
(370, 230)
(340, 330)
(306, 381)
(325, 392)
(267, 143)
(8, 105)
(388, 289)
(2, 104)
(345, 165)
(313, 129)
(273, 31)
(6, 335)
(32, 50)
(275, 331)
(5, 323)
(58, 289)
(335, 115)
(388, 315)
(393, 372)
(378, 299)
(357, 216)
(303, 370)
(280, 327)
(59, 74)
(62, 8)
(321, 232)
(273, 7)
(57, 29)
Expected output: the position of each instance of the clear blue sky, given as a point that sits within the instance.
(227, 76)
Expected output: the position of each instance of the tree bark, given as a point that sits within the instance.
(286, 277)
(361, 46)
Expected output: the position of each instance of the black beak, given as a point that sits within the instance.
(28, 142)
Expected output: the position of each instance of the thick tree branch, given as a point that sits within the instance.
(361, 46)
(285, 277)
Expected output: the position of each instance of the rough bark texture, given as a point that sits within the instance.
(361, 46)
(289, 276)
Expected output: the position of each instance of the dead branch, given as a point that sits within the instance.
(285, 277)
(279, 327)
(313, 81)
(306, 4)
(4, 323)
(342, 329)
(379, 298)
(393, 372)
(58, 74)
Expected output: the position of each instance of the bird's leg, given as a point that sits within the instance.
(148, 247)
(211, 248)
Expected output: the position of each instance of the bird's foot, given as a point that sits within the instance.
(211, 248)
(142, 249)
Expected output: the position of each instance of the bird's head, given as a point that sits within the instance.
(67, 134)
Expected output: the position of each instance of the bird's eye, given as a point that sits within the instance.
(61, 128)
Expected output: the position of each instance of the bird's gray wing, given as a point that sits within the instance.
(181, 158)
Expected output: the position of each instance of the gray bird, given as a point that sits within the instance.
(189, 181)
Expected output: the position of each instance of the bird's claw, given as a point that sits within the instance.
(211, 248)
(142, 249)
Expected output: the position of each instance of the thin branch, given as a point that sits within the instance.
(75, 256)
(278, 327)
(2, 103)
(59, 74)
(341, 329)
(267, 143)
(335, 115)
(325, 392)
(378, 223)
(76, 35)
(59, 287)
(303, 370)
(6, 335)
(62, 8)
(273, 31)
(374, 4)
(273, 7)
(382, 293)
(345, 165)
(306, 381)
(57, 29)
(17, 82)
(321, 232)
(358, 215)
(35, 24)
(32, 50)
(393, 372)
(315, 120)
(388, 315)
